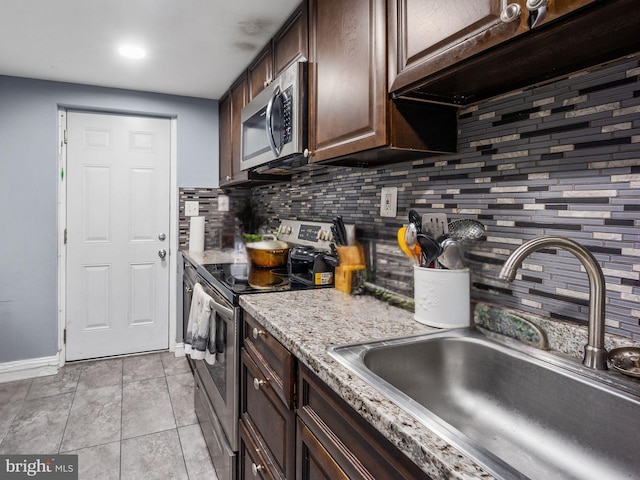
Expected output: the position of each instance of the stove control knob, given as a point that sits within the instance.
(288, 230)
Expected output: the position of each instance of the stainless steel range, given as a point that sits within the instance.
(217, 386)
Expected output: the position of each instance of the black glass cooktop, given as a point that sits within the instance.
(233, 279)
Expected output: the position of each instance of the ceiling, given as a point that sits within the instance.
(194, 47)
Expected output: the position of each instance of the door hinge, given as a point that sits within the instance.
(65, 236)
(65, 136)
(64, 336)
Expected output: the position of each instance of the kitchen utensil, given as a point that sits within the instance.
(416, 219)
(267, 253)
(431, 249)
(403, 244)
(466, 230)
(342, 238)
(626, 360)
(452, 256)
(435, 224)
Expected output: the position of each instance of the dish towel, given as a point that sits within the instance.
(201, 328)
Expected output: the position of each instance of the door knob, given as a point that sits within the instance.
(162, 253)
(161, 237)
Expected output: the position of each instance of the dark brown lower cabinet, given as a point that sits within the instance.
(334, 441)
(252, 464)
(313, 461)
(294, 427)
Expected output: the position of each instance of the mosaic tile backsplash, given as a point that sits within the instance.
(556, 159)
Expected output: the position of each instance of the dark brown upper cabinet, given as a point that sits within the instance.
(352, 121)
(450, 53)
(291, 43)
(224, 129)
(260, 71)
(428, 36)
(229, 123)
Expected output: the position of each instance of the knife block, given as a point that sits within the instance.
(351, 265)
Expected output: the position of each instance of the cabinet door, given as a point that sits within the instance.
(260, 72)
(347, 77)
(291, 43)
(427, 36)
(224, 125)
(353, 444)
(238, 95)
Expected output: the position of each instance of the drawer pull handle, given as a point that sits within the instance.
(256, 468)
(257, 333)
(257, 383)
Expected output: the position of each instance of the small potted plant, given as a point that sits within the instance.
(250, 220)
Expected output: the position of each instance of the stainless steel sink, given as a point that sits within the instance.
(518, 412)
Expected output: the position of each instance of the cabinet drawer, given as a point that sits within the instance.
(265, 412)
(313, 461)
(274, 360)
(251, 462)
(359, 449)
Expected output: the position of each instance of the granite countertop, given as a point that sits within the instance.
(227, 255)
(307, 322)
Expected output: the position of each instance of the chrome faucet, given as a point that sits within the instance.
(595, 355)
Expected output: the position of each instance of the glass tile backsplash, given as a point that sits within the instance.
(561, 158)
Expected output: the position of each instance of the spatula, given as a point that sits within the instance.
(435, 224)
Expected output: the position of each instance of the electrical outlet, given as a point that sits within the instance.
(389, 202)
(223, 203)
(191, 209)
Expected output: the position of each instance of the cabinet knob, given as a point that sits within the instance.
(257, 333)
(257, 383)
(189, 289)
(256, 468)
(307, 153)
(510, 13)
(228, 178)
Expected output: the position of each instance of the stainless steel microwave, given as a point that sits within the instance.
(274, 122)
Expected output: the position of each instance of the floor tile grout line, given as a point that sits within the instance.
(73, 399)
(173, 410)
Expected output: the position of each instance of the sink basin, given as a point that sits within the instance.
(518, 412)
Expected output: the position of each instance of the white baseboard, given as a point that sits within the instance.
(31, 368)
(178, 350)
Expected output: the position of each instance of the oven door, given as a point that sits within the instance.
(222, 455)
(220, 380)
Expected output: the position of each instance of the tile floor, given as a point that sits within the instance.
(126, 418)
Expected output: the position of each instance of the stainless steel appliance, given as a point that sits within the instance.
(217, 386)
(274, 125)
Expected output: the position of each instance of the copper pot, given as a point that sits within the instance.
(267, 253)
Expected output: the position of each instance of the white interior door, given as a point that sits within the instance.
(118, 201)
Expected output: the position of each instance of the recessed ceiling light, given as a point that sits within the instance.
(132, 51)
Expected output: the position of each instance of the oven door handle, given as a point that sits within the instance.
(221, 309)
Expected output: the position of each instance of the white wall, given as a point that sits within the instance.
(28, 192)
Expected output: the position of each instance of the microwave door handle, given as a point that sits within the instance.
(269, 123)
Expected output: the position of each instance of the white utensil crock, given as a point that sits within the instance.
(442, 297)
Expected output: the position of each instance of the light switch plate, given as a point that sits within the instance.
(389, 202)
(223, 203)
(191, 208)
